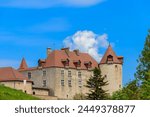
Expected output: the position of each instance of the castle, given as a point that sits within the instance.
(64, 73)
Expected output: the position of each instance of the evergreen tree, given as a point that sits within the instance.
(95, 85)
(145, 88)
(129, 92)
(144, 60)
(143, 70)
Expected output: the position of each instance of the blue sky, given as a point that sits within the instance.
(28, 27)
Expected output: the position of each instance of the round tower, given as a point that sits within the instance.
(111, 68)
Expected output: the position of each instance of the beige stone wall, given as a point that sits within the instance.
(19, 86)
(41, 92)
(37, 78)
(67, 92)
(113, 74)
(53, 81)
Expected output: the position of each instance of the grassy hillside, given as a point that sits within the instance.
(7, 93)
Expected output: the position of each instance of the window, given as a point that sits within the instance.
(44, 73)
(69, 78)
(62, 74)
(80, 79)
(80, 83)
(110, 59)
(116, 67)
(79, 74)
(69, 83)
(44, 83)
(29, 75)
(62, 83)
(69, 74)
(62, 78)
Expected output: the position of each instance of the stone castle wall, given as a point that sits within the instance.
(19, 86)
(113, 73)
(53, 81)
(53, 77)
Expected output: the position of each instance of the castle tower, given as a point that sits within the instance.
(23, 65)
(111, 67)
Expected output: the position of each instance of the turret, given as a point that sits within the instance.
(23, 65)
(111, 67)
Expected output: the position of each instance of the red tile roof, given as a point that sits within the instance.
(23, 65)
(10, 74)
(116, 59)
(57, 57)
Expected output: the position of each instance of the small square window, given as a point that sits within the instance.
(44, 73)
(69, 83)
(62, 83)
(79, 75)
(29, 75)
(44, 83)
(69, 74)
(62, 73)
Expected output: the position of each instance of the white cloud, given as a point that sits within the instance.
(48, 3)
(87, 41)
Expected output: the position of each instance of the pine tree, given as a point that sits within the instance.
(95, 85)
(144, 60)
(143, 70)
(129, 92)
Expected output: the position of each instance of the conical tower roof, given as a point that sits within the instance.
(109, 52)
(23, 65)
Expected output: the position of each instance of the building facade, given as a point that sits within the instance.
(65, 72)
(12, 78)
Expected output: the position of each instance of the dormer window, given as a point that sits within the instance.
(77, 63)
(65, 62)
(88, 64)
(41, 63)
(110, 59)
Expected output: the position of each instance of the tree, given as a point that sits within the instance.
(144, 60)
(145, 88)
(139, 88)
(96, 84)
(129, 92)
(143, 70)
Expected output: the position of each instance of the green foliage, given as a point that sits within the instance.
(145, 89)
(95, 85)
(143, 70)
(80, 96)
(7, 93)
(142, 75)
(144, 60)
(129, 92)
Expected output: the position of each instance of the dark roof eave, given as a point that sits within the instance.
(15, 80)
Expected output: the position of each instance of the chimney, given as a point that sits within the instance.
(48, 51)
(66, 50)
(77, 52)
